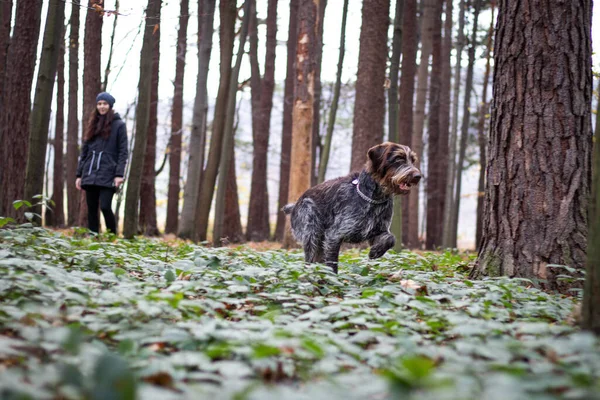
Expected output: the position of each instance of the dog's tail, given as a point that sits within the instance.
(287, 209)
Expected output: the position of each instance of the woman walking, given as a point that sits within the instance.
(102, 163)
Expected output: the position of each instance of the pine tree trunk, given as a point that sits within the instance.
(336, 97)
(302, 117)
(258, 228)
(316, 142)
(539, 169)
(142, 122)
(410, 42)
(228, 13)
(286, 134)
(147, 221)
(14, 125)
(40, 114)
(482, 138)
(419, 121)
(73, 119)
(449, 235)
(5, 21)
(177, 121)
(369, 107)
(466, 121)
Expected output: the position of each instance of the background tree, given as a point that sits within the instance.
(369, 106)
(286, 133)
(14, 125)
(73, 119)
(107, 70)
(444, 116)
(316, 142)
(5, 20)
(306, 56)
(539, 168)
(40, 114)
(258, 228)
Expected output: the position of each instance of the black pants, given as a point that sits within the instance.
(99, 195)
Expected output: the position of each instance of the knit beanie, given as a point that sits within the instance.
(106, 97)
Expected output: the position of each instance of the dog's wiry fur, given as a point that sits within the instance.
(333, 212)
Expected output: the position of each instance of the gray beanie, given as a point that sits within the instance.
(106, 97)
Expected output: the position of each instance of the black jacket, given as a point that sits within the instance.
(102, 159)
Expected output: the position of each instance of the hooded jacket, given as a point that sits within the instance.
(102, 159)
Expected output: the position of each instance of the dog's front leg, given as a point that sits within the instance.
(332, 252)
(380, 244)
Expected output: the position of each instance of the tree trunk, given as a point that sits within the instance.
(539, 169)
(436, 165)
(410, 42)
(232, 221)
(142, 122)
(42, 103)
(147, 220)
(369, 107)
(258, 228)
(110, 51)
(483, 111)
(302, 117)
(464, 134)
(56, 216)
(336, 97)
(227, 148)
(14, 125)
(396, 227)
(228, 13)
(5, 21)
(316, 143)
(427, 20)
(591, 294)
(177, 121)
(449, 234)
(286, 134)
(73, 119)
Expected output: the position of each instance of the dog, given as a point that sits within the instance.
(355, 208)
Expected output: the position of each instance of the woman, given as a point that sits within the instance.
(102, 163)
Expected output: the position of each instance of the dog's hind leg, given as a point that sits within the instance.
(306, 222)
(332, 252)
(380, 244)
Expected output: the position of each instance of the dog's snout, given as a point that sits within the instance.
(415, 179)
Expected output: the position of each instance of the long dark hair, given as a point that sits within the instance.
(90, 130)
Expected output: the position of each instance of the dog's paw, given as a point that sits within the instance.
(377, 252)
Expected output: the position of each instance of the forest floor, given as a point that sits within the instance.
(105, 318)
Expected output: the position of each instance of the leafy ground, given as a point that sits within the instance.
(109, 319)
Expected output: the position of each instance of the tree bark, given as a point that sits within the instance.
(42, 103)
(232, 222)
(449, 234)
(286, 134)
(190, 210)
(258, 228)
(336, 98)
(436, 164)
(316, 143)
(539, 170)
(481, 137)
(228, 13)
(142, 122)
(14, 125)
(410, 42)
(73, 119)
(177, 121)
(302, 117)
(5, 21)
(369, 106)
(147, 220)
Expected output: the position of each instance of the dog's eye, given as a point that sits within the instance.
(398, 159)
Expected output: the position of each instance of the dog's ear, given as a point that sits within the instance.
(376, 156)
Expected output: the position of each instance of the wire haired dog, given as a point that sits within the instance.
(354, 208)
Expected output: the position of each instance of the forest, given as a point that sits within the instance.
(180, 276)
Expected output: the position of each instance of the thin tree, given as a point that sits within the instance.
(481, 137)
(302, 116)
(466, 121)
(258, 228)
(410, 43)
(228, 14)
(14, 125)
(5, 21)
(40, 114)
(316, 143)
(286, 134)
(147, 218)
(187, 222)
(539, 168)
(369, 107)
(177, 120)
(73, 119)
(107, 70)
(336, 97)
(232, 221)
(142, 122)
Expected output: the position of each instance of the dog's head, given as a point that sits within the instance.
(394, 167)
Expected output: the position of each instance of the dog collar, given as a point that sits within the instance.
(365, 197)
